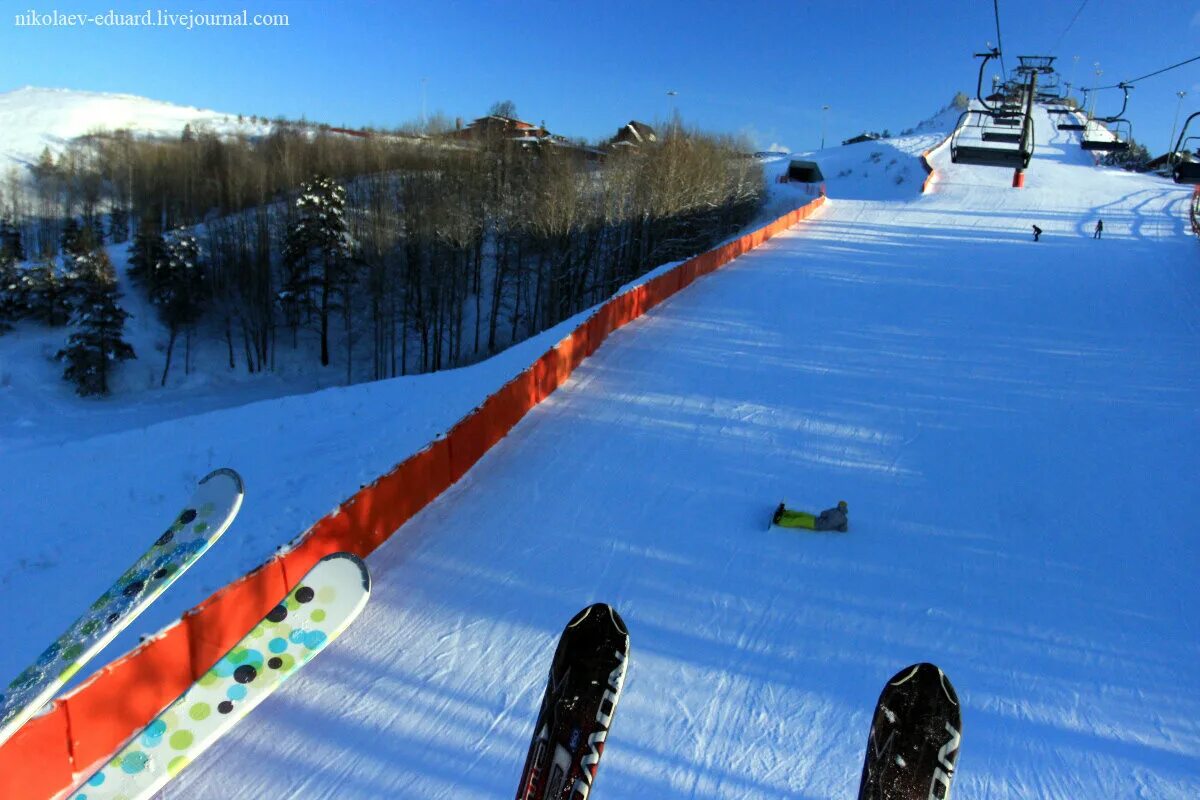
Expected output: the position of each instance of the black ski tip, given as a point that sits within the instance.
(358, 562)
(926, 672)
(916, 729)
(600, 610)
(228, 473)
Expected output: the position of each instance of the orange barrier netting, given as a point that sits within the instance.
(1196, 210)
(931, 176)
(90, 723)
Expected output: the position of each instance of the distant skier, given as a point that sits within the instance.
(1099, 229)
(1037, 232)
(831, 519)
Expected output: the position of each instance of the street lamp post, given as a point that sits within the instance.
(671, 108)
(424, 119)
(1171, 144)
(824, 109)
(1070, 83)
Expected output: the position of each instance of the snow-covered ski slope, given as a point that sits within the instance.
(1016, 427)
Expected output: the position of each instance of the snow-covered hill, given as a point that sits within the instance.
(32, 119)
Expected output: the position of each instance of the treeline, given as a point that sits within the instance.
(1134, 158)
(395, 255)
(168, 184)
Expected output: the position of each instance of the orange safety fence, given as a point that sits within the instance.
(931, 175)
(1196, 210)
(87, 725)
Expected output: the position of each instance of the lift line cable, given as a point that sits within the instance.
(1058, 41)
(1151, 75)
(999, 44)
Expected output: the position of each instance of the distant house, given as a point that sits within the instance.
(862, 137)
(632, 136)
(1164, 162)
(350, 132)
(565, 147)
(497, 127)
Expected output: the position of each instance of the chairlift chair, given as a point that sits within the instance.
(1042, 64)
(978, 155)
(1008, 121)
(1118, 144)
(1185, 171)
(1011, 137)
(1074, 124)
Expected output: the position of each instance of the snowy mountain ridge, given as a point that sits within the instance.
(941, 122)
(34, 118)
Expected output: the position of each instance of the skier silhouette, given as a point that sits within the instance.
(1099, 229)
(1036, 232)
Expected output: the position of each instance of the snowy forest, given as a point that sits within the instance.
(383, 255)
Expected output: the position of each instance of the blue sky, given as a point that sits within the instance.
(765, 68)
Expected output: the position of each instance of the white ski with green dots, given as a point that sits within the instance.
(206, 516)
(327, 599)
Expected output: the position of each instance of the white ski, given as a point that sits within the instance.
(201, 522)
(322, 605)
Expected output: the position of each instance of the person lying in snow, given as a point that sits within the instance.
(831, 519)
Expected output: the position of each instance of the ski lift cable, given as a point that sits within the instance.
(1058, 41)
(999, 43)
(1151, 75)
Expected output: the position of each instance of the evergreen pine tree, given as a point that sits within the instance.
(93, 265)
(94, 231)
(178, 289)
(10, 304)
(97, 344)
(71, 241)
(118, 224)
(146, 250)
(46, 294)
(1134, 158)
(316, 255)
(10, 240)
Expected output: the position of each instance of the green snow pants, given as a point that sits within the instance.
(798, 519)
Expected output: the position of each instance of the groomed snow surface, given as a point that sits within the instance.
(1016, 427)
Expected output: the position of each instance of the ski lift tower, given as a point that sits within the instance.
(1029, 68)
